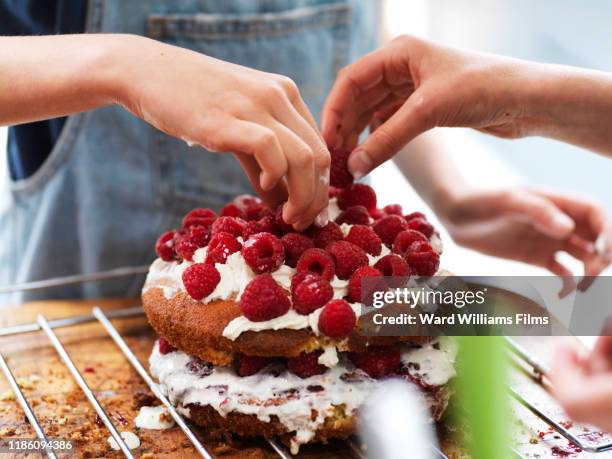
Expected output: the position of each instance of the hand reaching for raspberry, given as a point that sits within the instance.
(531, 226)
(583, 385)
(258, 116)
(411, 85)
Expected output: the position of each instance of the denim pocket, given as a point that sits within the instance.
(307, 44)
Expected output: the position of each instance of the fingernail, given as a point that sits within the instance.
(322, 219)
(563, 221)
(359, 163)
(287, 217)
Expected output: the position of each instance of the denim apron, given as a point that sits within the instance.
(112, 183)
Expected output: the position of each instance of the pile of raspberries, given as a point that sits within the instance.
(318, 253)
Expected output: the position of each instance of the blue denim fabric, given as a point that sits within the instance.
(113, 183)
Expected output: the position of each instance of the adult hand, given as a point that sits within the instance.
(583, 385)
(412, 85)
(531, 226)
(223, 107)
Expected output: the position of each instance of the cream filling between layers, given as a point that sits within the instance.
(227, 392)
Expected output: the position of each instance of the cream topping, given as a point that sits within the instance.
(295, 398)
(154, 418)
(131, 440)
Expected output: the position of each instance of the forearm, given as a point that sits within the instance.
(571, 105)
(49, 76)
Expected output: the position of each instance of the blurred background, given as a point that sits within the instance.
(558, 31)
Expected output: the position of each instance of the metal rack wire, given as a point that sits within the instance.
(537, 372)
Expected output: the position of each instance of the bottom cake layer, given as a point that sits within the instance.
(275, 402)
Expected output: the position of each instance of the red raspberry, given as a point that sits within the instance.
(283, 227)
(377, 214)
(317, 261)
(306, 365)
(337, 319)
(348, 258)
(413, 215)
(250, 364)
(232, 210)
(405, 239)
(324, 236)
(221, 246)
(393, 266)
(393, 209)
(422, 259)
(265, 212)
(422, 226)
(333, 192)
(359, 194)
(165, 347)
(377, 361)
(388, 227)
(202, 217)
(355, 215)
(263, 299)
(339, 175)
(365, 237)
(263, 252)
(230, 225)
(300, 277)
(311, 294)
(354, 286)
(263, 225)
(200, 280)
(164, 247)
(295, 244)
(250, 205)
(191, 239)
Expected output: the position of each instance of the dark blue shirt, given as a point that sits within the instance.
(30, 144)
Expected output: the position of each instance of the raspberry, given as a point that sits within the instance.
(221, 246)
(348, 258)
(230, 225)
(339, 175)
(388, 227)
(359, 194)
(333, 192)
(283, 227)
(250, 364)
(265, 212)
(263, 225)
(232, 210)
(337, 319)
(191, 239)
(392, 209)
(263, 299)
(324, 236)
(306, 365)
(311, 294)
(365, 237)
(377, 361)
(393, 266)
(422, 259)
(422, 226)
(354, 286)
(165, 347)
(200, 280)
(317, 261)
(405, 239)
(164, 247)
(250, 205)
(202, 217)
(295, 244)
(300, 277)
(377, 214)
(263, 252)
(355, 215)
(413, 215)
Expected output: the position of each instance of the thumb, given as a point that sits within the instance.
(544, 215)
(414, 117)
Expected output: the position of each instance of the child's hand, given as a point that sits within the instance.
(223, 107)
(583, 386)
(531, 226)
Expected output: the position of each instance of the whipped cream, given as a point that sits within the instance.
(329, 358)
(154, 418)
(131, 440)
(295, 398)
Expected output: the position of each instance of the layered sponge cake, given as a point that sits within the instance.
(258, 324)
